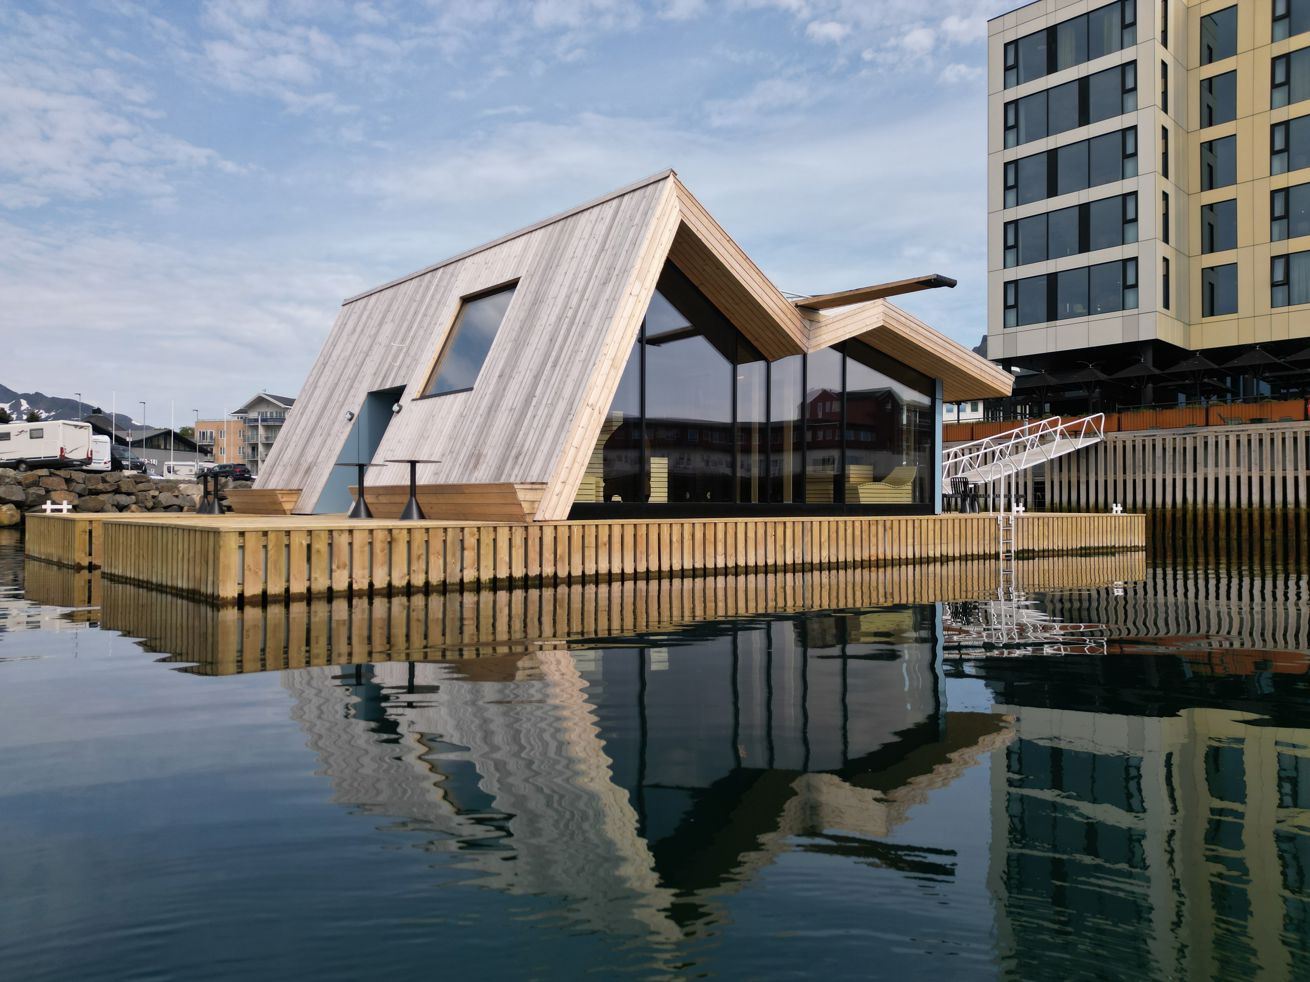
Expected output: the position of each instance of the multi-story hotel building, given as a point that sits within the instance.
(1149, 199)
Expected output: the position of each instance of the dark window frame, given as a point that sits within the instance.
(1164, 217)
(1127, 38)
(1209, 57)
(1164, 282)
(1127, 167)
(1209, 292)
(452, 335)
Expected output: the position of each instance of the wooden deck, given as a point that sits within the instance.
(493, 631)
(252, 559)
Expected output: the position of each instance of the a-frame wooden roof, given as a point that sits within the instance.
(585, 278)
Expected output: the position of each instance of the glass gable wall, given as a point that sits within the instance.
(700, 418)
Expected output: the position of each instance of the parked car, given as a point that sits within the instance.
(233, 472)
(50, 443)
(124, 460)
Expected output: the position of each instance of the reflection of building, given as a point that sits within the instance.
(639, 782)
(1135, 834)
(512, 363)
(1149, 200)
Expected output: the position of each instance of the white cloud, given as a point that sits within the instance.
(197, 325)
(682, 9)
(827, 30)
(760, 104)
(73, 127)
(958, 74)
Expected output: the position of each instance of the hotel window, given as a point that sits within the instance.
(1289, 279)
(1219, 290)
(1291, 78)
(1164, 217)
(1218, 35)
(469, 341)
(1089, 290)
(1102, 31)
(1164, 23)
(1164, 151)
(1219, 99)
(1104, 95)
(1100, 224)
(1219, 226)
(1164, 282)
(1218, 163)
(1289, 145)
(1291, 17)
(1075, 167)
(1290, 212)
(1164, 86)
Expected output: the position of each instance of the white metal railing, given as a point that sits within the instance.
(1007, 453)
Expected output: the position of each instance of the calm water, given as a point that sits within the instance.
(1109, 782)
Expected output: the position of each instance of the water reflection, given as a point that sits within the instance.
(642, 782)
(1106, 777)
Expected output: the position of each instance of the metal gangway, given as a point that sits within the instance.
(1003, 455)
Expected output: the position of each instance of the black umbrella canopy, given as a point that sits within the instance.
(1088, 374)
(1257, 357)
(1035, 380)
(1197, 363)
(1299, 357)
(1137, 370)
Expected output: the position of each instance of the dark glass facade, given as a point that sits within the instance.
(1089, 290)
(1219, 35)
(1104, 95)
(702, 421)
(1072, 42)
(1289, 212)
(1076, 167)
(1099, 224)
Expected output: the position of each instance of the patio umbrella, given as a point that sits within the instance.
(1088, 374)
(1137, 370)
(1298, 356)
(1196, 366)
(1035, 380)
(1256, 358)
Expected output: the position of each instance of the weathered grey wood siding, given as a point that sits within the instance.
(579, 286)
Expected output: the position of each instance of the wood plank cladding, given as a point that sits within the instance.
(459, 502)
(252, 560)
(262, 501)
(490, 631)
(584, 280)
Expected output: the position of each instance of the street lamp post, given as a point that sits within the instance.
(79, 405)
(143, 424)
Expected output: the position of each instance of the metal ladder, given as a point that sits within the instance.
(1005, 524)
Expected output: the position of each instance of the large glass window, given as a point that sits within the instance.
(1075, 167)
(690, 349)
(1291, 17)
(1289, 145)
(1104, 95)
(700, 418)
(469, 341)
(1219, 99)
(1290, 212)
(1063, 233)
(1219, 226)
(1290, 78)
(1219, 35)
(824, 437)
(1099, 289)
(1218, 163)
(1071, 168)
(889, 430)
(1219, 290)
(1072, 42)
(1289, 279)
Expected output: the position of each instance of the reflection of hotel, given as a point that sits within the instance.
(1135, 843)
(623, 779)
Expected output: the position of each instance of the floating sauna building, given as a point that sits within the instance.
(624, 359)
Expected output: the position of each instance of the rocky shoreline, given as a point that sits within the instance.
(85, 491)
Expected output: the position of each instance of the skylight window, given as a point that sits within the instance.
(469, 341)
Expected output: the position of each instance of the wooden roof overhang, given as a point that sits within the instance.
(780, 327)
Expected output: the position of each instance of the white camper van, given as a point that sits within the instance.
(54, 443)
(101, 454)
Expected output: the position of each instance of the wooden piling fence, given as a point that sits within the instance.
(253, 560)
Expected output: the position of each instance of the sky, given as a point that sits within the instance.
(189, 190)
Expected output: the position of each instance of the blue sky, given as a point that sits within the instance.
(188, 191)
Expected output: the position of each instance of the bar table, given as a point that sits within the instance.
(412, 512)
(360, 508)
